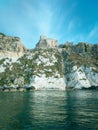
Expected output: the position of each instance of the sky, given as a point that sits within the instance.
(64, 20)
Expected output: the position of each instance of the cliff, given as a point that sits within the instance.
(11, 47)
(67, 66)
(80, 65)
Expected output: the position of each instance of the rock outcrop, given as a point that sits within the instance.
(11, 47)
(66, 67)
(45, 42)
(12, 44)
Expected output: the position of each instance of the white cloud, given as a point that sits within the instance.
(40, 17)
(71, 25)
(93, 33)
(91, 37)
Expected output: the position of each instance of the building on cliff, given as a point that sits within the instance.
(45, 42)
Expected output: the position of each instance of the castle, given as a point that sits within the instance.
(45, 42)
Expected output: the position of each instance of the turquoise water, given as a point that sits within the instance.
(49, 110)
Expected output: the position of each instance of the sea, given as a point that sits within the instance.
(49, 110)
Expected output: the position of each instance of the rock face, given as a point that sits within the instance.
(13, 44)
(66, 67)
(11, 47)
(45, 42)
(80, 65)
(47, 73)
(40, 69)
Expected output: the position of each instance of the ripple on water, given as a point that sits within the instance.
(49, 110)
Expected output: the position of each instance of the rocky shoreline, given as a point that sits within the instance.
(30, 89)
(20, 89)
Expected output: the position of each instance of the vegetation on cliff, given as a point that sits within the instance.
(77, 64)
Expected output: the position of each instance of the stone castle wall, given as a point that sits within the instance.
(45, 42)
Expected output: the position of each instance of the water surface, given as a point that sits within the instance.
(49, 110)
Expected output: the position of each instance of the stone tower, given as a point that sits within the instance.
(45, 42)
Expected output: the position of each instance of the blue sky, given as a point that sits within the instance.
(64, 20)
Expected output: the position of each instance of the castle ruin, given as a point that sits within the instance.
(45, 42)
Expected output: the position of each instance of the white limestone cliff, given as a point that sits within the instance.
(47, 66)
(82, 77)
(47, 83)
(11, 47)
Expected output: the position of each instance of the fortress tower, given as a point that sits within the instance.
(45, 42)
